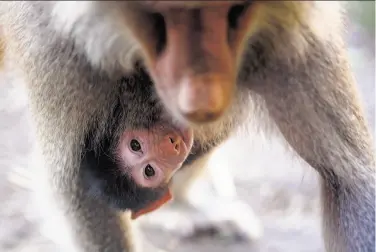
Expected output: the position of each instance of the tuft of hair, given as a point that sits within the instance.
(100, 29)
(297, 19)
(2, 50)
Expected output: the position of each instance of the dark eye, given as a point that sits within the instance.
(135, 145)
(149, 171)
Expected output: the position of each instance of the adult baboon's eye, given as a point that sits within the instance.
(235, 13)
(135, 145)
(149, 171)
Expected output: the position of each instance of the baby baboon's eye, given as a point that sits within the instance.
(149, 171)
(135, 145)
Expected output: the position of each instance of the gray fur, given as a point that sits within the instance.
(294, 71)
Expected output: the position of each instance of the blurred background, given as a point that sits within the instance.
(279, 187)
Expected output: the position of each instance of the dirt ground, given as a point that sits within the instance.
(281, 189)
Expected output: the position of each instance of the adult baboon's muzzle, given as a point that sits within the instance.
(197, 67)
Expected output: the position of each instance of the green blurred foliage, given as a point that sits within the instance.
(363, 12)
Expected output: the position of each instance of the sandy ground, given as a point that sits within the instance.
(281, 189)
